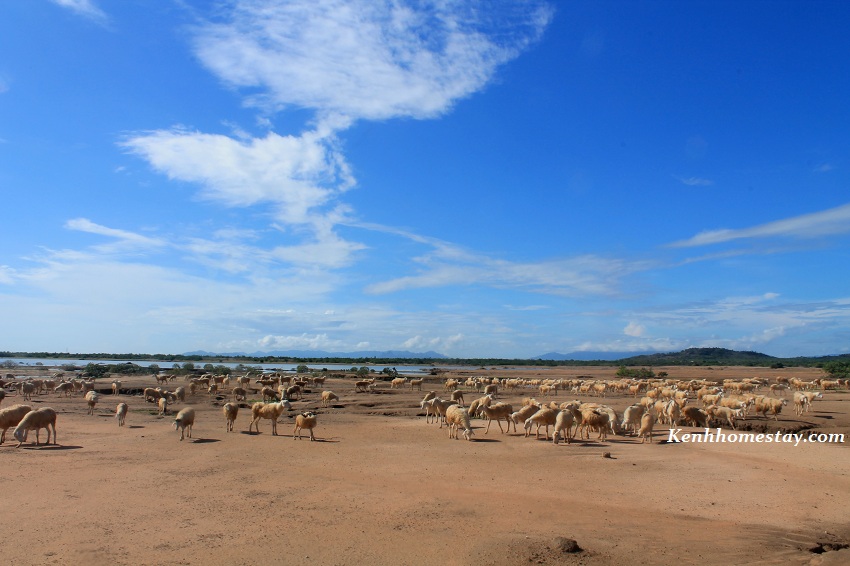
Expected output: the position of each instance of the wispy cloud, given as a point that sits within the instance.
(694, 181)
(85, 8)
(447, 264)
(817, 224)
(124, 239)
(366, 59)
(824, 168)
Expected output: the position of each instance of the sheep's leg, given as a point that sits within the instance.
(499, 422)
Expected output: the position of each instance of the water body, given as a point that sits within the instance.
(166, 365)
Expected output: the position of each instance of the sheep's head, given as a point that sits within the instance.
(20, 434)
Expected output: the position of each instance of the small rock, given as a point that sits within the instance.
(606, 454)
(567, 545)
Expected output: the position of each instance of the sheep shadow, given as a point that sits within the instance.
(135, 426)
(49, 447)
(204, 440)
(307, 438)
(486, 440)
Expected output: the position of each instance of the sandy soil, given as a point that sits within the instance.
(383, 487)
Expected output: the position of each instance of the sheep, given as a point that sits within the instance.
(27, 388)
(519, 417)
(11, 416)
(696, 416)
(269, 394)
(2, 395)
(230, 412)
(647, 421)
(121, 413)
(475, 406)
(765, 404)
(563, 426)
(270, 411)
(152, 395)
(44, 418)
(180, 394)
(362, 386)
(497, 412)
(397, 383)
(457, 417)
(544, 416)
(163, 406)
(596, 419)
(439, 406)
(417, 383)
(632, 417)
(328, 397)
(92, 397)
(803, 401)
(672, 412)
(67, 388)
(719, 413)
(293, 391)
(185, 419)
(491, 390)
(239, 394)
(116, 387)
(457, 397)
(304, 421)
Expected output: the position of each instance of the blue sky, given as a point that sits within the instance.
(493, 179)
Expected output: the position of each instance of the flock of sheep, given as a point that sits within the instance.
(698, 403)
(671, 402)
(25, 419)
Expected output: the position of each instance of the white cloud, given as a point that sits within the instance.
(448, 264)
(125, 240)
(300, 342)
(296, 174)
(634, 329)
(817, 224)
(695, 181)
(86, 9)
(366, 59)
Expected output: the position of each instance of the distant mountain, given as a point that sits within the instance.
(586, 356)
(320, 354)
(701, 357)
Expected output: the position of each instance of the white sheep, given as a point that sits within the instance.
(270, 411)
(185, 419)
(304, 421)
(230, 412)
(328, 397)
(632, 418)
(163, 406)
(417, 383)
(458, 417)
(647, 421)
(720, 413)
(563, 426)
(121, 413)
(36, 420)
(497, 412)
(116, 387)
(545, 416)
(92, 397)
(439, 406)
(11, 416)
(520, 417)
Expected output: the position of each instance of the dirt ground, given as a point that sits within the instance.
(382, 487)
